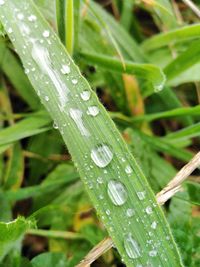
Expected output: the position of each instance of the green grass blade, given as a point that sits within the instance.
(60, 19)
(35, 124)
(13, 70)
(184, 134)
(174, 36)
(184, 61)
(178, 112)
(112, 178)
(150, 72)
(69, 25)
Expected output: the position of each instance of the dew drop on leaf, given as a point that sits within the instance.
(93, 111)
(131, 246)
(130, 212)
(32, 18)
(148, 210)
(2, 2)
(128, 169)
(102, 155)
(85, 95)
(152, 253)
(141, 195)
(117, 192)
(154, 225)
(46, 34)
(74, 81)
(65, 69)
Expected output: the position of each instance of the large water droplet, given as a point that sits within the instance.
(85, 95)
(2, 2)
(131, 246)
(102, 155)
(117, 192)
(93, 111)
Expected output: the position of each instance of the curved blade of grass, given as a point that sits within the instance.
(174, 36)
(178, 112)
(60, 19)
(149, 72)
(111, 175)
(13, 70)
(184, 134)
(184, 61)
(35, 124)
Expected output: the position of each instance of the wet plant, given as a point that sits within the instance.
(112, 177)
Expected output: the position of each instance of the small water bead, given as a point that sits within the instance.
(154, 225)
(102, 155)
(55, 125)
(65, 69)
(130, 212)
(128, 169)
(10, 30)
(100, 180)
(148, 210)
(108, 212)
(32, 18)
(2, 2)
(46, 98)
(85, 95)
(93, 111)
(141, 195)
(131, 246)
(20, 16)
(46, 33)
(152, 253)
(74, 81)
(117, 192)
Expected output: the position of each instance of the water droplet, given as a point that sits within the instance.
(85, 95)
(10, 30)
(117, 192)
(152, 253)
(100, 180)
(74, 81)
(2, 2)
(32, 18)
(108, 212)
(55, 125)
(76, 116)
(148, 210)
(46, 98)
(46, 33)
(20, 16)
(93, 111)
(130, 212)
(131, 246)
(65, 69)
(128, 169)
(102, 155)
(141, 195)
(154, 225)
